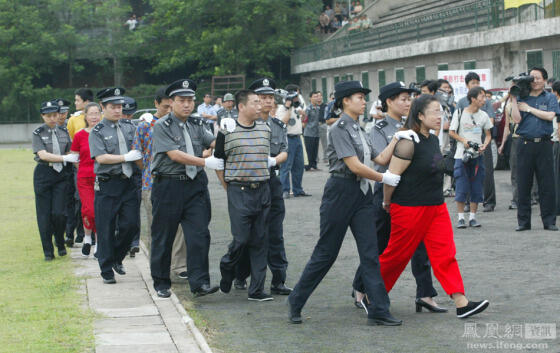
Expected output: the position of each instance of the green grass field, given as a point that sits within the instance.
(40, 307)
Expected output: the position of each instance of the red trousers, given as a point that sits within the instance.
(409, 226)
(87, 194)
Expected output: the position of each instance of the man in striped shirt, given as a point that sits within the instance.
(245, 148)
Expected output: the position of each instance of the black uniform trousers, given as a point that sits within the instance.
(248, 212)
(344, 205)
(535, 158)
(420, 264)
(50, 205)
(137, 177)
(182, 202)
(115, 205)
(556, 158)
(312, 148)
(489, 186)
(277, 261)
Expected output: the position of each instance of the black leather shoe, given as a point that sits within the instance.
(79, 239)
(240, 284)
(295, 314)
(205, 289)
(62, 252)
(225, 285)
(109, 280)
(551, 227)
(134, 250)
(472, 308)
(280, 289)
(69, 242)
(422, 304)
(384, 321)
(513, 206)
(302, 194)
(163, 293)
(119, 268)
(522, 228)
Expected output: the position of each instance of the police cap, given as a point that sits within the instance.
(49, 107)
(229, 97)
(62, 104)
(348, 88)
(263, 86)
(129, 106)
(184, 87)
(111, 95)
(394, 88)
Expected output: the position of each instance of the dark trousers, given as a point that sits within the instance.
(277, 261)
(293, 166)
(489, 185)
(312, 148)
(50, 205)
(182, 202)
(420, 264)
(137, 178)
(248, 211)
(73, 206)
(535, 158)
(344, 205)
(115, 205)
(556, 159)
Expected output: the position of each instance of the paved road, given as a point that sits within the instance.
(517, 272)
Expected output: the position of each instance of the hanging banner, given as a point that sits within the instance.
(457, 79)
(509, 4)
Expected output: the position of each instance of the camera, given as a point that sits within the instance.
(522, 84)
(471, 152)
(281, 96)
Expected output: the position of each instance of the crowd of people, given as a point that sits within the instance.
(332, 19)
(423, 146)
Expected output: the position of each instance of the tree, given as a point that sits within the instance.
(222, 37)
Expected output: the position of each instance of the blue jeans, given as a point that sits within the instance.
(469, 179)
(294, 165)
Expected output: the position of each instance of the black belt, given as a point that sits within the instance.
(291, 135)
(107, 177)
(182, 177)
(344, 176)
(254, 185)
(536, 139)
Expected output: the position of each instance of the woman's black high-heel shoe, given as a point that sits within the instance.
(434, 309)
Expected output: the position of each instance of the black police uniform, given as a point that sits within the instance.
(116, 204)
(50, 185)
(180, 199)
(344, 205)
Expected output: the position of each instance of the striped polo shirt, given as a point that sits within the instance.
(245, 151)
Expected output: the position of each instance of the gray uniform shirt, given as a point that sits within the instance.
(312, 127)
(103, 139)
(344, 141)
(224, 113)
(168, 136)
(42, 140)
(278, 136)
(380, 137)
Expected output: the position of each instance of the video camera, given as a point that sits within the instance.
(281, 96)
(522, 84)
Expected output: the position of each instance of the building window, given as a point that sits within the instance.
(399, 74)
(420, 73)
(556, 63)
(336, 79)
(324, 89)
(381, 78)
(443, 67)
(365, 82)
(534, 59)
(469, 65)
(313, 85)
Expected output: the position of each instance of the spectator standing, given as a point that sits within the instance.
(338, 11)
(228, 110)
(324, 22)
(344, 22)
(556, 148)
(358, 8)
(311, 131)
(131, 23)
(206, 109)
(217, 104)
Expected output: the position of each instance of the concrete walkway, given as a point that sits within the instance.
(132, 318)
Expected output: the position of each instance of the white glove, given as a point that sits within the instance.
(228, 124)
(214, 163)
(71, 158)
(408, 134)
(390, 179)
(132, 155)
(147, 117)
(271, 162)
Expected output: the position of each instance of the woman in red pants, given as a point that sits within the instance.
(86, 177)
(418, 211)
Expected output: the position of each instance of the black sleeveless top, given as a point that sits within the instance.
(422, 182)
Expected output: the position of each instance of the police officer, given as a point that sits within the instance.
(535, 115)
(228, 110)
(277, 261)
(180, 191)
(395, 104)
(115, 197)
(50, 178)
(348, 202)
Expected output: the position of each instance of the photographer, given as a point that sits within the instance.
(534, 114)
(291, 114)
(466, 127)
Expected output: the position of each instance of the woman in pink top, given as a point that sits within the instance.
(86, 177)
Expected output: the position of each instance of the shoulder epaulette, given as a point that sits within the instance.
(381, 124)
(38, 130)
(195, 120)
(98, 127)
(167, 120)
(279, 122)
(341, 124)
(63, 128)
(126, 121)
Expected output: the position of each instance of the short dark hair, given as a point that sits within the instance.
(541, 70)
(242, 96)
(419, 105)
(85, 93)
(471, 76)
(313, 92)
(441, 81)
(432, 85)
(551, 80)
(160, 95)
(556, 86)
(474, 92)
